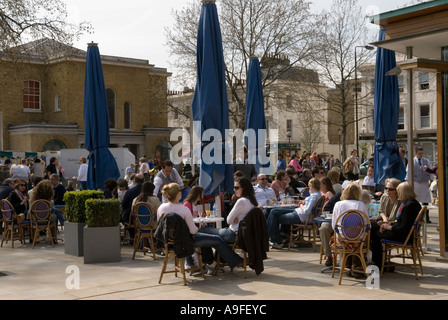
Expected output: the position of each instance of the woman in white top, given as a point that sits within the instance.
(173, 193)
(246, 201)
(350, 199)
(144, 168)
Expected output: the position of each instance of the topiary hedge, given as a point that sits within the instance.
(75, 208)
(103, 212)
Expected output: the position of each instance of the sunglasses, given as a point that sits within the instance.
(263, 179)
(22, 185)
(236, 187)
(390, 189)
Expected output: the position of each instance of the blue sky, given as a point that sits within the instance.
(135, 28)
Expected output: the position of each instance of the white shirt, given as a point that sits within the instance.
(369, 181)
(181, 210)
(239, 211)
(82, 172)
(263, 194)
(158, 183)
(344, 205)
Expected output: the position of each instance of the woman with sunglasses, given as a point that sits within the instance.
(19, 197)
(389, 202)
(246, 201)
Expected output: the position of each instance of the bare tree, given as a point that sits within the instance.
(266, 29)
(23, 21)
(343, 29)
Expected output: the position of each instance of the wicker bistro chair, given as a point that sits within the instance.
(127, 229)
(352, 238)
(412, 243)
(305, 193)
(312, 227)
(145, 222)
(170, 253)
(42, 218)
(12, 229)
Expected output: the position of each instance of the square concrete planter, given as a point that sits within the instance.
(74, 238)
(102, 244)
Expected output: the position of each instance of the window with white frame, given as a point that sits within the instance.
(31, 95)
(424, 116)
(57, 103)
(424, 80)
(401, 119)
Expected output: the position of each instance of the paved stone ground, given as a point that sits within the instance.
(40, 274)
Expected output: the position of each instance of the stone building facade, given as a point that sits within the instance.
(42, 98)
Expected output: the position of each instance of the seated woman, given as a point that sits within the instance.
(280, 183)
(146, 195)
(173, 194)
(350, 199)
(399, 230)
(44, 191)
(195, 199)
(110, 189)
(389, 202)
(279, 216)
(326, 188)
(246, 201)
(19, 199)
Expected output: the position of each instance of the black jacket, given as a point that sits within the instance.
(172, 226)
(253, 238)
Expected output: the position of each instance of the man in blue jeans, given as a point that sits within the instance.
(279, 216)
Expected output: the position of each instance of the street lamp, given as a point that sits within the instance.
(288, 134)
(356, 95)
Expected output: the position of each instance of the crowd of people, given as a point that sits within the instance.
(164, 188)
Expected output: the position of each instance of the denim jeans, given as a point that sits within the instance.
(205, 240)
(59, 216)
(225, 233)
(277, 217)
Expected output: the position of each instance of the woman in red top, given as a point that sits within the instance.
(194, 199)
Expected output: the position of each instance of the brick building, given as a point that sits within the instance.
(42, 97)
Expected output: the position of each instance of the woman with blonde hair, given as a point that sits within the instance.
(399, 230)
(389, 202)
(350, 200)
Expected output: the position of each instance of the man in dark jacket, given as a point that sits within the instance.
(130, 195)
(59, 189)
(6, 188)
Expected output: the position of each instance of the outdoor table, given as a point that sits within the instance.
(289, 205)
(214, 220)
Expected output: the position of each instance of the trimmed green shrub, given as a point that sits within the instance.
(75, 209)
(103, 212)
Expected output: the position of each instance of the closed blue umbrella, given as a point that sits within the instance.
(255, 121)
(102, 164)
(387, 160)
(210, 105)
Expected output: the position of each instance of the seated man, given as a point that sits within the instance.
(279, 216)
(326, 230)
(263, 193)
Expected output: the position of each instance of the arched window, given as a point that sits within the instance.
(127, 115)
(31, 94)
(54, 145)
(111, 103)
